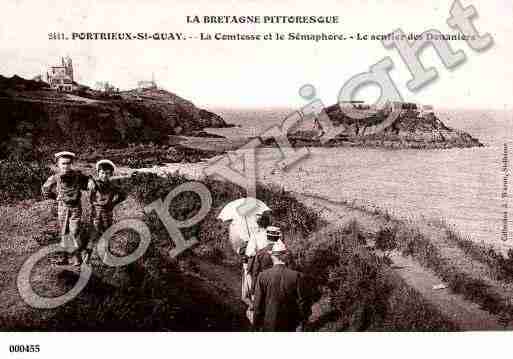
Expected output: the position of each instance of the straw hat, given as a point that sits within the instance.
(65, 154)
(279, 247)
(273, 233)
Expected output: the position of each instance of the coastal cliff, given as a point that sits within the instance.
(34, 116)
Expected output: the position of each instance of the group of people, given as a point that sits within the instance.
(66, 187)
(277, 296)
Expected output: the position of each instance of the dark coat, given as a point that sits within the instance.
(257, 264)
(281, 300)
(66, 188)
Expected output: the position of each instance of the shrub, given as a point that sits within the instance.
(362, 291)
(295, 219)
(21, 180)
(386, 241)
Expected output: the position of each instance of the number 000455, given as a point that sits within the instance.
(27, 348)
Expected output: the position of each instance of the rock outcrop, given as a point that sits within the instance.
(34, 116)
(405, 129)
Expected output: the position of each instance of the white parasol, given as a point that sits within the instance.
(243, 213)
(242, 207)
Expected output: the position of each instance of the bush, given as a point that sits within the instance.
(385, 239)
(295, 219)
(362, 291)
(21, 180)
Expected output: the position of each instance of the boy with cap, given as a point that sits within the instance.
(282, 301)
(103, 196)
(65, 187)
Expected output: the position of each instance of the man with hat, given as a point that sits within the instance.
(262, 259)
(103, 196)
(281, 299)
(65, 186)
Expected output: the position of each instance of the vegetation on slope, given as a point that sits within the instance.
(35, 117)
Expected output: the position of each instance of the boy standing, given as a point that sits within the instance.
(66, 186)
(104, 196)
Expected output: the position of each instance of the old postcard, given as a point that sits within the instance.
(272, 166)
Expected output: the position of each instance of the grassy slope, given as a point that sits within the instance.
(154, 293)
(360, 290)
(472, 270)
(200, 291)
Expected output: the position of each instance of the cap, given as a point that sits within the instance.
(273, 233)
(64, 154)
(279, 247)
(105, 162)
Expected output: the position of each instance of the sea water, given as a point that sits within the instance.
(461, 186)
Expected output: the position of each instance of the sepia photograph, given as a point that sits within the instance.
(255, 166)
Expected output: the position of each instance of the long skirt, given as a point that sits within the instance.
(246, 296)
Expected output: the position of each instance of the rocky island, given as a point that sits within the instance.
(396, 125)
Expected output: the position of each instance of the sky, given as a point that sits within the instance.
(257, 73)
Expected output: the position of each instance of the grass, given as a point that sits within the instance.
(412, 242)
(501, 265)
(20, 180)
(292, 216)
(147, 155)
(357, 287)
(155, 292)
(471, 269)
(362, 291)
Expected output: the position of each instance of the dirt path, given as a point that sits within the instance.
(227, 280)
(464, 313)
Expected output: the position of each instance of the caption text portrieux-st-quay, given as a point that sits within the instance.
(251, 36)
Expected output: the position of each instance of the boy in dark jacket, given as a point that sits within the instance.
(65, 187)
